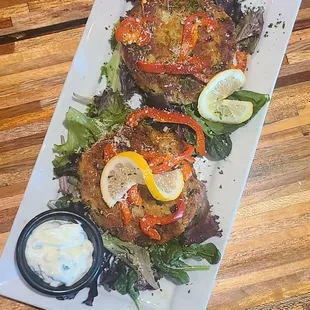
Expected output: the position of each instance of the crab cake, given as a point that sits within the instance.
(140, 138)
(215, 47)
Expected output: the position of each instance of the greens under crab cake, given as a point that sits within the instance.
(175, 47)
(139, 139)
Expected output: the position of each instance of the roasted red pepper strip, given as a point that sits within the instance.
(148, 222)
(242, 60)
(158, 160)
(163, 163)
(133, 196)
(126, 214)
(169, 117)
(172, 161)
(190, 32)
(108, 152)
(187, 170)
(187, 154)
(132, 30)
(193, 65)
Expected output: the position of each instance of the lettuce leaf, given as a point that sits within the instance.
(133, 255)
(84, 130)
(207, 251)
(111, 70)
(167, 258)
(115, 112)
(249, 29)
(127, 284)
(249, 25)
(218, 146)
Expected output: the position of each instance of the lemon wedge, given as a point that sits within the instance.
(129, 168)
(212, 102)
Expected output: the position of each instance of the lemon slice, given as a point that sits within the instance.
(212, 102)
(129, 168)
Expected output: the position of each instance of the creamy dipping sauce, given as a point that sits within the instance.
(59, 252)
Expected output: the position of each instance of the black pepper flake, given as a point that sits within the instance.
(234, 180)
(283, 25)
(160, 289)
(188, 291)
(152, 294)
(106, 28)
(221, 172)
(191, 192)
(270, 25)
(220, 186)
(173, 208)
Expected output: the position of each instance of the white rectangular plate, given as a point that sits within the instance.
(92, 52)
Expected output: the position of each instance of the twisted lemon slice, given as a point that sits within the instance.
(212, 102)
(129, 168)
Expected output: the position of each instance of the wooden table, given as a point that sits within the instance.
(267, 261)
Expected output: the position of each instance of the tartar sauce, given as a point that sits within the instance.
(59, 252)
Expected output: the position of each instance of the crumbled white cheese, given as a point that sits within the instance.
(176, 50)
(120, 139)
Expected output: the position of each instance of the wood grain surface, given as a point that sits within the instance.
(267, 261)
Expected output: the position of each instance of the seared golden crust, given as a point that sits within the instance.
(139, 139)
(217, 47)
